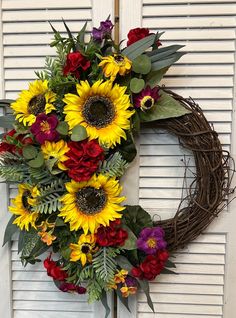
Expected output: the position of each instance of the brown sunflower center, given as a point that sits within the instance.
(119, 58)
(98, 111)
(25, 197)
(85, 249)
(90, 200)
(37, 104)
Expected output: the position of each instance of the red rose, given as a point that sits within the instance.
(137, 34)
(5, 147)
(84, 158)
(54, 271)
(112, 235)
(75, 63)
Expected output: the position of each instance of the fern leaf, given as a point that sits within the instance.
(114, 166)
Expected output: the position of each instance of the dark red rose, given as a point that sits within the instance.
(5, 147)
(53, 270)
(151, 266)
(137, 34)
(112, 235)
(75, 64)
(84, 158)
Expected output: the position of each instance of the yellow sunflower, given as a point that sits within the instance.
(37, 99)
(23, 205)
(102, 109)
(56, 150)
(91, 203)
(83, 249)
(114, 64)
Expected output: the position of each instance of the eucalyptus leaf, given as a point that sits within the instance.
(166, 107)
(78, 133)
(145, 287)
(37, 162)
(158, 65)
(124, 263)
(124, 300)
(142, 64)
(137, 48)
(29, 152)
(162, 53)
(130, 242)
(10, 230)
(62, 128)
(105, 303)
(7, 121)
(136, 85)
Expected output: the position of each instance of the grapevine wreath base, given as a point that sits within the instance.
(73, 139)
(211, 185)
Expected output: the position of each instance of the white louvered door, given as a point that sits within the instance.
(205, 286)
(24, 37)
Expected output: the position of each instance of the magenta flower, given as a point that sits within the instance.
(151, 239)
(69, 287)
(103, 31)
(146, 98)
(44, 128)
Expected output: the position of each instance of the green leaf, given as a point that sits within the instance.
(30, 239)
(154, 78)
(70, 35)
(10, 230)
(7, 121)
(65, 252)
(37, 162)
(21, 240)
(166, 107)
(137, 48)
(124, 300)
(130, 243)
(62, 128)
(145, 287)
(123, 262)
(142, 64)
(158, 65)
(50, 163)
(127, 148)
(136, 218)
(105, 304)
(29, 152)
(169, 264)
(59, 222)
(135, 120)
(162, 53)
(78, 133)
(136, 85)
(168, 271)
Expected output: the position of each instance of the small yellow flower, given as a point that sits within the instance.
(56, 150)
(116, 64)
(120, 276)
(82, 251)
(47, 237)
(37, 99)
(126, 291)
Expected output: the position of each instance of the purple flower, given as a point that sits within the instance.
(131, 281)
(69, 287)
(103, 31)
(151, 239)
(146, 98)
(44, 128)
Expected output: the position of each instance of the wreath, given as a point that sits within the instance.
(71, 142)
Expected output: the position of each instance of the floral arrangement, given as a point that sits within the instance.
(71, 142)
